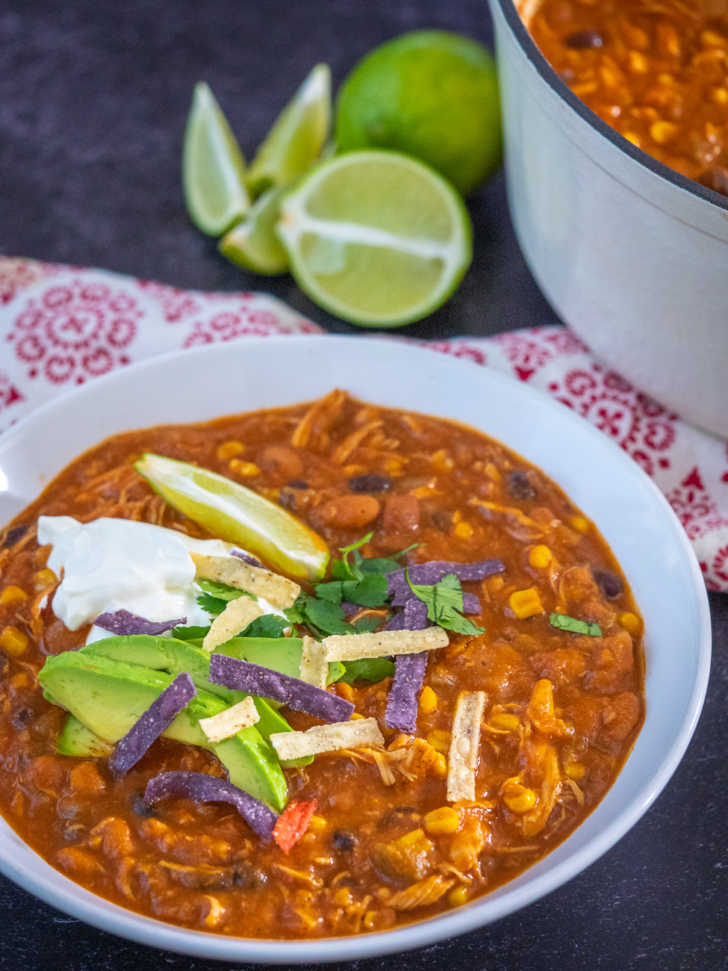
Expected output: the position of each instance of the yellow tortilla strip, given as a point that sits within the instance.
(229, 722)
(231, 622)
(327, 738)
(386, 643)
(314, 666)
(465, 745)
(278, 591)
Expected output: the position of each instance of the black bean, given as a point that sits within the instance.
(287, 500)
(22, 718)
(370, 483)
(247, 877)
(584, 40)
(609, 583)
(343, 841)
(400, 814)
(298, 484)
(141, 808)
(519, 485)
(13, 536)
(442, 520)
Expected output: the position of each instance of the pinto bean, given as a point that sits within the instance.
(401, 514)
(351, 511)
(281, 460)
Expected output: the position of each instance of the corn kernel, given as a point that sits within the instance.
(575, 770)
(13, 641)
(229, 450)
(711, 38)
(539, 557)
(633, 137)
(439, 767)
(246, 469)
(493, 472)
(663, 131)
(345, 690)
(45, 578)
(370, 920)
(342, 897)
(12, 594)
(630, 622)
(439, 740)
(428, 700)
(463, 530)
(504, 721)
(317, 824)
(719, 96)
(458, 896)
(525, 603)
(580, 524)
(638, 63)
(356, 715)
(495, 584)
(518, 798)
(442, 461)
(442, 822)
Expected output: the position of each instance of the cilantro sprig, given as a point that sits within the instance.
(444, 601)
(574, 626)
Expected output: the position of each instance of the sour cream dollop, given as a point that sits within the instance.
(118, 564)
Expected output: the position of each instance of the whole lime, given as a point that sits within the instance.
(430, 94)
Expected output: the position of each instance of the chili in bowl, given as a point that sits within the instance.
(318, 670)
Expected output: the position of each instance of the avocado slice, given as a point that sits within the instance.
(174, 656)
(108, 696)
(76, 739)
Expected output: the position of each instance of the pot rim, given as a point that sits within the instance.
(547, 73)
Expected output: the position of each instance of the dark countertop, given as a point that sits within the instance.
(93, 99)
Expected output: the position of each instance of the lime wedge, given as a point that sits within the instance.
(253, 243)
(232, 512)
(376, 237)
(213, 168)
(299, 133)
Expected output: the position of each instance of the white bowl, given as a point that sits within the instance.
(611, 489)
(630, 254)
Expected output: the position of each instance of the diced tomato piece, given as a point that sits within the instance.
(293, 823)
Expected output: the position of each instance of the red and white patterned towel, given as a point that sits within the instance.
(61, 326)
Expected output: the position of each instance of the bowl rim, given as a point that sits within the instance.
(563, 91)
(116, 919)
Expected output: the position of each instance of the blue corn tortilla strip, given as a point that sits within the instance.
(201, 787)
(404, 695)
(246, 557)
(471, 604)
(158, 716)
(430, 573)
(266, 683)
(123, 622)
(409, 674)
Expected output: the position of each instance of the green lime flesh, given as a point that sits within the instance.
(376, 237)
(213, 168)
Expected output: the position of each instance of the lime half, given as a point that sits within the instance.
(232, 512)
(213, 168)
(253, 243)
(297, 136)
(376, 237)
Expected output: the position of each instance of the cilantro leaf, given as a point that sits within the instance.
(213, 605)
(326, 616)
(221, 590)
(296, 613)
(331, 591)
(574, 626)
(368, 623)
(269, 625)
(368, 669)
(444, 601)
(370, 591)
